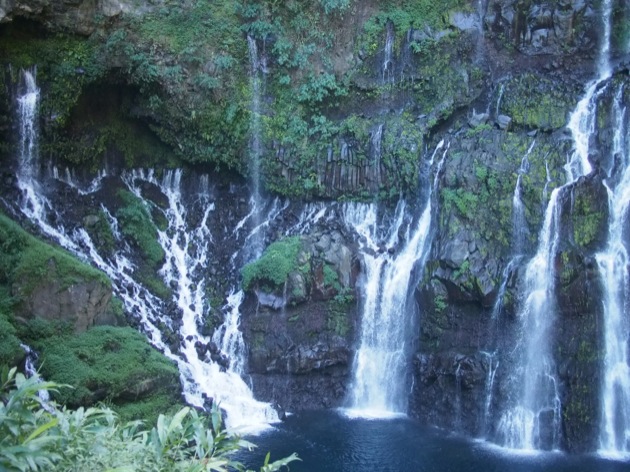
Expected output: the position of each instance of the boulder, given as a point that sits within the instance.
(82, 303)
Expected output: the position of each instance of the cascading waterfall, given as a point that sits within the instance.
(377, 145)
(613, 267)
(256, 77)
(520, 427)
(34, 205)
(27, 108)
(186, 246)
(186, 251)
(378, 387)
(388, 59)
(254, 122)
(497, 108)
(519, 231)
(30, 370)
(533, 422)
(519, 223)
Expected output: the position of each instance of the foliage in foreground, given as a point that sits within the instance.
(35, 435)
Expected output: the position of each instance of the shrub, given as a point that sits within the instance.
(136, 223)
(113, 364)
(10, 350)
(26, 259)
(274, 266)
(38, 436)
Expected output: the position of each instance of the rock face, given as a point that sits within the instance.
(83, 304)
(496, 80)
(538, 27)
(77, 16)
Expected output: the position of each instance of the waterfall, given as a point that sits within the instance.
(377, 145)
(534, 420)
(521, 427)
(613, 267)
(378, 387)
(388, 58)
(186, 248)
(519, 231)
(493, 365)
(33, 204)
(30, 370)
(500, 97)
(27, 109)
(519, 223)
(186, 243)
(254, 122)
(256, 78)
(69, 178)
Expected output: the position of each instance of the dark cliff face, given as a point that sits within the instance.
(345, 116)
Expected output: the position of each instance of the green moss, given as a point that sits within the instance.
(533, 101)
(339, 309)
(10, 349)
(106, 363)
(274, 266)
(136, 223)
(27, 260)
(586, 218)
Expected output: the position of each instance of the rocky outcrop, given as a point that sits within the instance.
(82, 304)
(75, 16)
(537, 27)
(300, 337)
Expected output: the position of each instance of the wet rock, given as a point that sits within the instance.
(465, 21)
(503, 122)
(478, 119)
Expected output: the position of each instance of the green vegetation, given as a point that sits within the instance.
(136, 223)
(65, 63)
(274, 266)
(339, 312)
(26, 260)
(179, 89)
(536, 102)
(110, 364)
(97, 226)
(406, 14)
(587, 217)
(33, 438)
(10, 350)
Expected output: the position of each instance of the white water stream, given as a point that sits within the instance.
(379, 388)
(534, 421)
(613, 267)
(187, 245)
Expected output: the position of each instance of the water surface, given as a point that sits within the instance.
(329, 441)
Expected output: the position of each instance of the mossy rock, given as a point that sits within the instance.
(534, 101)
(111, 364)
(271, 270)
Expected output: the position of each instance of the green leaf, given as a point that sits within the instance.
(43, 428)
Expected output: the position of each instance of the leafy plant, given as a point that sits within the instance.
(274, 266)
(37, 436)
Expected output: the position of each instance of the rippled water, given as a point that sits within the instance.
(329, 441)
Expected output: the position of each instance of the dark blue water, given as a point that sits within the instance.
(328, 442)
